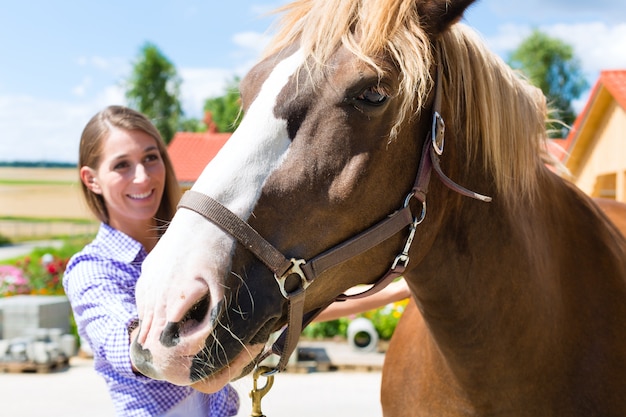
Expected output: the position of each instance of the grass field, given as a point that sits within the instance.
(42, 202)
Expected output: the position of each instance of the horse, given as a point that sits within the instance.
(405, 347)
(381, 138)
(615, 211)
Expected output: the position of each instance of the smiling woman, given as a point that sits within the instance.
(129, 184)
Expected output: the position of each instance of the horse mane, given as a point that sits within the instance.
(499, 113)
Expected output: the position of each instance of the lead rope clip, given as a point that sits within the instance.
(257, 393)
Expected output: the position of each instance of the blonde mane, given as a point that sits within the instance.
(501, 115)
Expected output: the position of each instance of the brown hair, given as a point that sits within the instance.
(90, 152)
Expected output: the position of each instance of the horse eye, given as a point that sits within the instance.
(372, 95)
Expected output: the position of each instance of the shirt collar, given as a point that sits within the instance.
(118, 245)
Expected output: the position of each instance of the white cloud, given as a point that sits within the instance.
(100, 62)
(35, 129)
(80, 89)
(250, 47)
(562, 10)
(116, 66)
(598, 45)
(267, 8)
(41, 129)
(200, 84)
(251, 42)
(507, 38)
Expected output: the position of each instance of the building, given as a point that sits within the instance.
(190, 152)
(596, 145)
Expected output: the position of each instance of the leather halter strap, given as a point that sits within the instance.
(308, 271)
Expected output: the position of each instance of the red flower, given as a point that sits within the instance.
(52, 268)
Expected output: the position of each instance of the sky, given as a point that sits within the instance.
(63, 61)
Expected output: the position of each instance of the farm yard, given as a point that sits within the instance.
(42, 202)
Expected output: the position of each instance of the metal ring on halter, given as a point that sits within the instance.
(271, 372)
(416, 220)
(403, 258)
(438, 131)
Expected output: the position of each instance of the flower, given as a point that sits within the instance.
(45, 277)
(13, 281)
(33, 276)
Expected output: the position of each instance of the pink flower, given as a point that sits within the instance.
(12, 279)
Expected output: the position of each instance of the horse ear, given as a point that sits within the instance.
(438, 15)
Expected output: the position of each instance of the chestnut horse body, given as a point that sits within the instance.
(522, 300)
(410, 349)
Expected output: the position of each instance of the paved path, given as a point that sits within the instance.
(79, 392)
(21, 249)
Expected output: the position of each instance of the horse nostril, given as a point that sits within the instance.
(142, 358)
(198, 311)
(170, 336)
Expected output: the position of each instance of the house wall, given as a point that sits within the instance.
(605, 162)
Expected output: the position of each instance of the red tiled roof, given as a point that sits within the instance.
(190, 152)
(615, 82)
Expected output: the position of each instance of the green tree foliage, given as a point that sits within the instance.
(192, 125)
(226, 109)
(154, 89)
(550, 64)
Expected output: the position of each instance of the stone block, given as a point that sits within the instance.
(24, 314)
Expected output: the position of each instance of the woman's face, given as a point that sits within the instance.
(130, 178)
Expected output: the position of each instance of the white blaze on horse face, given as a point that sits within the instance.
(236, 175)
(193, 255)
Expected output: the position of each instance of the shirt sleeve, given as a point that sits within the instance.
(103, 307)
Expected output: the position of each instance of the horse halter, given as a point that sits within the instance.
(307, 271)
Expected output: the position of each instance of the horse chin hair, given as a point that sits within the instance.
(261, 337)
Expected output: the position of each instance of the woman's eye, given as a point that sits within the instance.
(120, 165)
(373, 95)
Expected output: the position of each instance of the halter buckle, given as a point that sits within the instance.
(294, 269)
(438, 131)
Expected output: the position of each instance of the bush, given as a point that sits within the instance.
(327, 329)
(4, 241)
(385, 319)
(40, 272)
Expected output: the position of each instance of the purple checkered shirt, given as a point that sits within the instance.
(100, 284)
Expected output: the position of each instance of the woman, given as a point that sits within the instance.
(129, 184)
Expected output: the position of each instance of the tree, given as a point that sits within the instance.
(154, 89)
(550, 64)
(226, 110)
(192, 125)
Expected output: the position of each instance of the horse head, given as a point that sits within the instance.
(335, 118)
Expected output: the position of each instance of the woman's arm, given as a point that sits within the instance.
(396, 291)
(102, 308)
